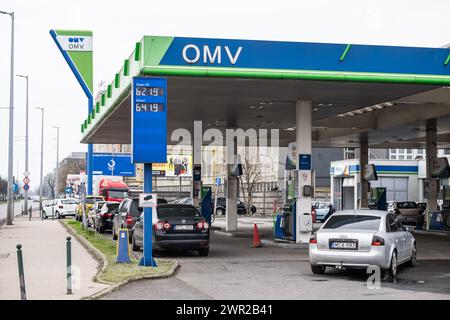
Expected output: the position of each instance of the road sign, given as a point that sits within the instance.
(15, 187)
(68, 190)
(26, 187)
(218, 181)
(148, 200)
(26, 180)
(109, 164)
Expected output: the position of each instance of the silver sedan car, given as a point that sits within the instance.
(362, 238)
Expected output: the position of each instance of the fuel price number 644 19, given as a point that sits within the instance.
(149, 107)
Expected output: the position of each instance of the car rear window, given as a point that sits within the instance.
(407, 205)
(68, 202)
(360, 222)
(177, 212)
(112, 206)
(93, 200)
(135, 210)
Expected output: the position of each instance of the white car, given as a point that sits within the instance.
(362, 238)
(59, 208)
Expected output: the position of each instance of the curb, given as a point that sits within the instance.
(432, 233)
(99, 256)
(284, 245)
(173, 269)
(246, 235)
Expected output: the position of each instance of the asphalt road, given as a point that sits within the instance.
(235, 270)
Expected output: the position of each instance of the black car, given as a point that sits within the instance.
(222, 207)
(104, 218)
(176, 226)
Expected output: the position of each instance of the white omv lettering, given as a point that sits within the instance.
(233, 59)
(197, 53)
(207, 54)
(213, 58)
(75, 43)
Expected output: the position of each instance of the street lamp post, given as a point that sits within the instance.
(26, 142)
(57, 161)
(10, 214)
(42, 162)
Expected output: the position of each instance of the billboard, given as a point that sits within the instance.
(176, 166)
(113, 164)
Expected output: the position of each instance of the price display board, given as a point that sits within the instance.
(149, 120)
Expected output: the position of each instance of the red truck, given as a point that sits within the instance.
(113, 190)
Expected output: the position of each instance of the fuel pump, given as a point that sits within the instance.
(285, 222)
(446, 206)
(296, 213)
(378, 199)
(206, 203)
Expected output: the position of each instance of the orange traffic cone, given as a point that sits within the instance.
(256, 240)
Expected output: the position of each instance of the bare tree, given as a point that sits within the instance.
(3, 189)
(69, 166)
(251, 175)
(49, 181)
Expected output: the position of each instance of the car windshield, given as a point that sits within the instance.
(360, 222)
(177, 212)
(322, 206)
(119, 194)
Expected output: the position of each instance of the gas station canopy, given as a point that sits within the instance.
(379, 94)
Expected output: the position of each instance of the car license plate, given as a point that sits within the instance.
(345, 245)
(184, 227)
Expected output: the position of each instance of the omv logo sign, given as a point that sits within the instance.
(75, 43)
(206, 54)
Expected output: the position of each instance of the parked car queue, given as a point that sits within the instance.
(175, 226)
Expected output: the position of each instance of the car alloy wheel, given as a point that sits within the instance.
(318, 269)
(219, 212)
(393, 267)
(134, 247)
(413, 260)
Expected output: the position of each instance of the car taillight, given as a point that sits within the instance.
(167, 226)
(129, 220)
(159, 225)
(377, 241)
(61, 207)
(313, 213)
(313, 239)
(202, 225)
(106, 215)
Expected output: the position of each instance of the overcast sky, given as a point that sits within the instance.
(117, 25)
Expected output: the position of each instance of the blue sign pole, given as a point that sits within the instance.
(90, 158)
(147, 259)
(149, 142)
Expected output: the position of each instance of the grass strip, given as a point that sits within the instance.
(118, 272)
